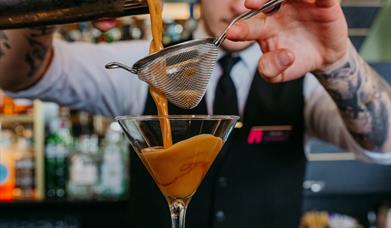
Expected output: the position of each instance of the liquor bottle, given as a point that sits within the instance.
(24, 168)
(54, 149)
(63, 150)
(22, 106)
(82, 123)
(50, 164)
(58, 146)
(8, 106)
(83, 169)
(7, 167)
(114, 165)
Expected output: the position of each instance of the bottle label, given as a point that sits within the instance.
(83, 172)
(4, 174)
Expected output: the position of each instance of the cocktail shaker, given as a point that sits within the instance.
(29, 13)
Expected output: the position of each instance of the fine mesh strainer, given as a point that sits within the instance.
(182, 71)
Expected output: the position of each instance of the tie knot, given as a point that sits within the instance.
(227, 62)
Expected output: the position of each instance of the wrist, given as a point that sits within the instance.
(340, 62)
(345, 63)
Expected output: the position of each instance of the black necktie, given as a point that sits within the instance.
(226, 100)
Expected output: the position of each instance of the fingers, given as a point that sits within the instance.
(254, 4)
(273, 64)
(252, 29)
(257, 4)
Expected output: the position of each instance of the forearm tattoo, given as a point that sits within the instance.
(362, 100)
(4, 44)
(38, 48)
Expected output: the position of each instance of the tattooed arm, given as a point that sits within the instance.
(294, 43)
(363, 99)
(24, 56)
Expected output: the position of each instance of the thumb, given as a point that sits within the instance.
(274, 63)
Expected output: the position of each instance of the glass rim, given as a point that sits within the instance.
(177, 117)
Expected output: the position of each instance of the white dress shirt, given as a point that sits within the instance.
(77, 78)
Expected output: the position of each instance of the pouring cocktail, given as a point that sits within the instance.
(179, 169)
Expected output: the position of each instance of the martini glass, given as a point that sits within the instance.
(179, 169)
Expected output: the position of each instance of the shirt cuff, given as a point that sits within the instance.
(375, 157)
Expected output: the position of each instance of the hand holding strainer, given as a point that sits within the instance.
(182, 72)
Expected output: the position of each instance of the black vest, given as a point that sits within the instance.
(253, 182)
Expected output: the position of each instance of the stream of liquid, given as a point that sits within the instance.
(159, 98)
(177, 169)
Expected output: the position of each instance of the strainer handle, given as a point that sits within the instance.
(270, 7)
(116, 65)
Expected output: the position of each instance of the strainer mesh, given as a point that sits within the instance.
(182, 74)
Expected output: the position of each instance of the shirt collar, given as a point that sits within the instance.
(249, 56)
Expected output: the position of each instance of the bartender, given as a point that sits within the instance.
(257, 179)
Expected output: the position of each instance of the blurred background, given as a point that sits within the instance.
(66, 168)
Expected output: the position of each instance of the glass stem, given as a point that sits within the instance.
(178, 213)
